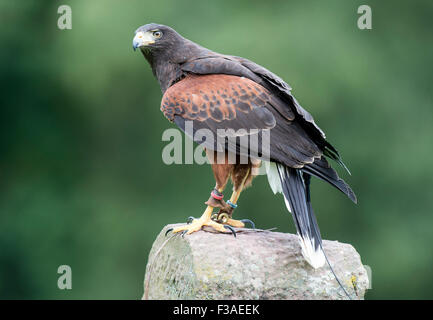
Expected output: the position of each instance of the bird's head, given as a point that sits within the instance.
(155, 37)
(165, 50)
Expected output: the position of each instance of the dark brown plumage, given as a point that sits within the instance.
(221, 92)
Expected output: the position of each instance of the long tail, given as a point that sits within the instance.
(295, 188)
(294, 184)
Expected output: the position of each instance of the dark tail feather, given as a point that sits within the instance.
(322, 170)
(296, 190)
(316, 230)
(307, 179)
(297, 197)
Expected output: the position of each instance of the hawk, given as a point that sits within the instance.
(233, 98)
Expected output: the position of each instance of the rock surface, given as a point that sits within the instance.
(257, 264)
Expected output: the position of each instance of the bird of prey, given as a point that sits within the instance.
(224, 93)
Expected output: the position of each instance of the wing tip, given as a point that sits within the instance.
(350, 193)
(353, 197)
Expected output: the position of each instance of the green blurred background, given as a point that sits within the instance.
(82, 181)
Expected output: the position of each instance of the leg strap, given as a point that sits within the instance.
(216, 194)
(231, 204)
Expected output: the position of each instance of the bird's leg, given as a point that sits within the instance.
(197, 224)
(204, 220)
(221, 173)
(225, 215)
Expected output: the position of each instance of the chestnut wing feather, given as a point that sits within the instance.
(219, 102)
(225, 102)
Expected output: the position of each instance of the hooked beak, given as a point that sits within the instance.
(142, 39)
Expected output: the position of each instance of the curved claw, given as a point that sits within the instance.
(183, 233)
(253, 226)
(189, 220)
(231, 229)
(168, 231)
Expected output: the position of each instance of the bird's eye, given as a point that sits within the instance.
(157, 34)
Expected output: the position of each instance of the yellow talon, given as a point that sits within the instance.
(225, 219)
(235, 223)
(197, 224)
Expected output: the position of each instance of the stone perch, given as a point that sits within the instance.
(257, 264)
